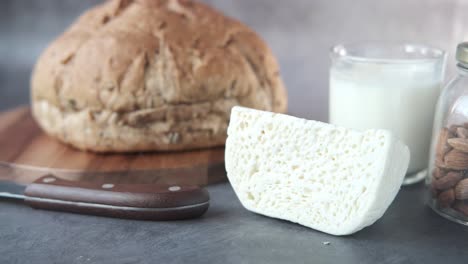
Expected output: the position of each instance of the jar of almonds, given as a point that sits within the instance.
(447, 180)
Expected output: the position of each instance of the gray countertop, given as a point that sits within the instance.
(408, 233)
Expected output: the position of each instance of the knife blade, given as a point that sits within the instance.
(131, 201)
(197, 175)
(11, 190)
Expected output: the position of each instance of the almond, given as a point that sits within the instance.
(462, 132)
(456, 160)
(442, 148)
(440, 163)
(438, 173)
(461, 207)
(434, 191)
(461, 190)
(446, 198)
(453, 128)
(448, 181)
(460, 144)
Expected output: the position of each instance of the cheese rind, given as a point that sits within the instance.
(325, 177)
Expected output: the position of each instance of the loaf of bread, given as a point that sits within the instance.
(144, 75)
(329, 178)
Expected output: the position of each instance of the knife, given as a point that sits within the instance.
(131, 201)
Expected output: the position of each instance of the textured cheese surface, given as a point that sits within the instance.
(325, 177)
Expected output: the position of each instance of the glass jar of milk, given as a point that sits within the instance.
(391, 87)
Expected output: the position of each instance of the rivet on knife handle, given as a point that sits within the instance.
(133, 201)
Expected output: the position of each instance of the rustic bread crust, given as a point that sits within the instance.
(143, 75)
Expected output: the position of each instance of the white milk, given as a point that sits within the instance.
(398, 97)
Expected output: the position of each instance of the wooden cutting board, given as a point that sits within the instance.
(27, 153)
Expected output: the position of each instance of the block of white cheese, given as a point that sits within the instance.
(325, 177)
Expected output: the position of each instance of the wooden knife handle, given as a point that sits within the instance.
(133, 201)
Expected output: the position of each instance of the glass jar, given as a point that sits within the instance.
(447, 182)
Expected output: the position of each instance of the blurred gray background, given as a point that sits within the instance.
(300, 32)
